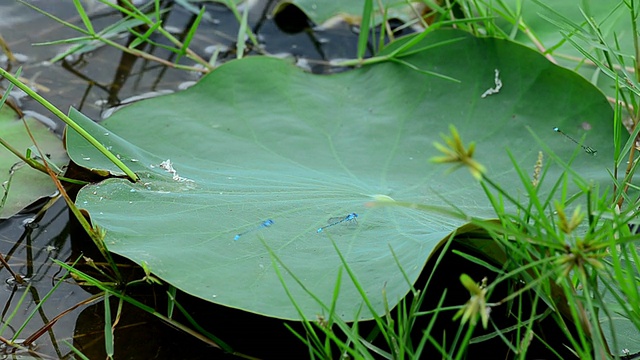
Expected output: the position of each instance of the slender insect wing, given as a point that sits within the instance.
(337, 220)
(263, 224)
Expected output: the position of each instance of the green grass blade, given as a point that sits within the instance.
(365, 28)
(9, 89)
(242, 34)
(191, 33)
(171, 304)
(83, 15)
(195, 324)
(7, 321)
(75, 350)
(108, 327)
(142, 38)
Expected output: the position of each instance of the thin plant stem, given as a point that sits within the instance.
(95, 143)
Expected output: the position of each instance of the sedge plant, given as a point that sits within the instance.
(564, 256)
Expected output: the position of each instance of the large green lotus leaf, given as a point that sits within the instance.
(260, 139)
(22, 185)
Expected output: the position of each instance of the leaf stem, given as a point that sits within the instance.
(70, 123)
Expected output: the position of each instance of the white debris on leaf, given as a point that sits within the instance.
(168, 167)
(496, 88)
